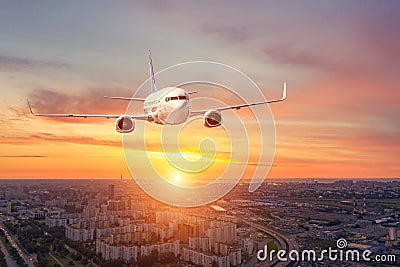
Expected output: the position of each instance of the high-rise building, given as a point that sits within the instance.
(186, 230)
(235, 257)
(111, 191)
(115, 205)
(224, 234)
(365, 206)
(392, 234)
(199, 243)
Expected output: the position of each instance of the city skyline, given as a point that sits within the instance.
(340, 118)
(113, 223)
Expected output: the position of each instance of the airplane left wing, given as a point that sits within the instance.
(201, 112)
(107, 116)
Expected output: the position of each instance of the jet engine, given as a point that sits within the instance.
(212, 118)
(124, 124)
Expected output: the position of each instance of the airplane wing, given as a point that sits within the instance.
(201, 112)
(126, 98)
(107, 116)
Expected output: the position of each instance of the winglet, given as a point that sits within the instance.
(30, 108)
(284, 91)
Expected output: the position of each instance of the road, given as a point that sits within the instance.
(26, 258)
(10, 262)
(59, 262)
(284, 243)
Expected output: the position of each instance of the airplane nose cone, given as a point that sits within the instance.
(180, 113)
(182, 104)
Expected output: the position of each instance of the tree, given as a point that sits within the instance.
(168, 258)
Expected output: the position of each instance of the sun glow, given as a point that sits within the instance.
(177, 178)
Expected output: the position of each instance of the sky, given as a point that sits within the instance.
(340, 60)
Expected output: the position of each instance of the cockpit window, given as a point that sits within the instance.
(181, 97)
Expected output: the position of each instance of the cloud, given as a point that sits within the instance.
(228, 33)
(350, 146)
(157, 5)
(8, 63)
(88, 102)
(374, 141)
(22, 156)
(19, 114)
(74, 139)
(35, 138)
(289, 54)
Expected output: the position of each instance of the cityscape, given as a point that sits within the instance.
(112, 222)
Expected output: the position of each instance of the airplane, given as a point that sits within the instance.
(170, 105)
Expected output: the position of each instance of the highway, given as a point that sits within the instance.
(9, 260)
(26, 258)
(284, 243)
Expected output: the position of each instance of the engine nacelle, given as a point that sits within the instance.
(212, 118)
(124, 124)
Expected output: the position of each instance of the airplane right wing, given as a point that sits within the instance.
(125, 98)
(107, 116)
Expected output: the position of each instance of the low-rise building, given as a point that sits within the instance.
(112, 251)
(77, 233)
(161, 248)
(248, 245)
(204, 259)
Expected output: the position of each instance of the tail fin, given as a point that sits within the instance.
(152, 79)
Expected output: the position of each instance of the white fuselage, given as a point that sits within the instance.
(170, 105)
